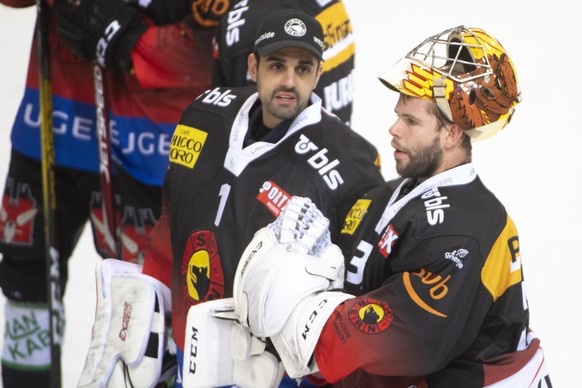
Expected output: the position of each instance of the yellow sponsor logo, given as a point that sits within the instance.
(186, 145)
(339, 44)
(355, 216)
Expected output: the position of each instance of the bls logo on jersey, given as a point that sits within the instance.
(435, 206)
(234, 21)
(218, 97)
(201, 270)
(321, 162)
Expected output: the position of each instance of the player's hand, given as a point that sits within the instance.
(105, 30)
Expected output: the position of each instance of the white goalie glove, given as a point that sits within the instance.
(129, 338)
(302, 224)
(219, 351)
(282, 288)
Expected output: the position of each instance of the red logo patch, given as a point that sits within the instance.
(17, 216)
(371, 316)
(273, 197)
(201, 270)
(387, 241)
(136, 225)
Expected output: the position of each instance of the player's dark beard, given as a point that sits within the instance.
(286, 113)
(423, 162)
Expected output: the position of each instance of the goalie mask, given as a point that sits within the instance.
(467, 73)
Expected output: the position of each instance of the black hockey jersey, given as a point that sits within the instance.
(219, 193)
(438, 279)
(237, 35)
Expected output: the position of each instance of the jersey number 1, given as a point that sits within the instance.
(224, 191)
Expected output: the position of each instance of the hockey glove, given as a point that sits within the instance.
(282, 293)
(302, 224)
(105, 30)
(219, 351)
(129, 335)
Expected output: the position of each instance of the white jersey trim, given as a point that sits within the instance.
(460, 175)
(237, 157)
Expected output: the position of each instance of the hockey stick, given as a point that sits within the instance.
(112, 235)
(55, 301)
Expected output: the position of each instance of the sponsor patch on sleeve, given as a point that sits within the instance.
(371, 316)
(355, 216)
(186, 145)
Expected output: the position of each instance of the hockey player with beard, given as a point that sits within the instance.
(236, 157)
(433, 293)
(235, 39)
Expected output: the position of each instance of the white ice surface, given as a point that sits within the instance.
(531, 166)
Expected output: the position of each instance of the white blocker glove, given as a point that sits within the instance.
(282, 293)
(219, 351)
(129, 335)
(303, 224)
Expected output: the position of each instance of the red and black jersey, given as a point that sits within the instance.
(439, 289)
(219, 192)
(171, 65)
(236, 38)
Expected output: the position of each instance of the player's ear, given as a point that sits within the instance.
(454, 134)
(253, 63)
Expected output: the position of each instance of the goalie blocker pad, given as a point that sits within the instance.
(129, 334)
(219, 351)
(272, 278)
(286, 295)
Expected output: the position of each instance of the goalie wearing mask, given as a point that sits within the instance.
(433, 293)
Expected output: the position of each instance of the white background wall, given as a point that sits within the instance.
(531, 166)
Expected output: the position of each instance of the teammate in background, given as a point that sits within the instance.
(236, 157)
(236, 36)
(160, 59)
(433, 293)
